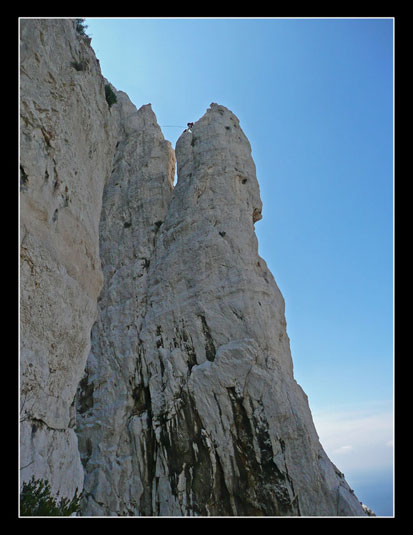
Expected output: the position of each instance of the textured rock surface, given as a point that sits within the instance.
(67, 140)
(135, 203)
(189, 405)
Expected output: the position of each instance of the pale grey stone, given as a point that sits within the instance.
(67, 140)
(205, 408)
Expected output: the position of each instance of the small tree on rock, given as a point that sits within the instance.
(110, 95)
(36, 500)
(80, 26)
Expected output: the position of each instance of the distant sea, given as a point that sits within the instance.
(374, 489)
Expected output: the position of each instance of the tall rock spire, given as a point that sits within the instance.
(135, 201)
(190, 406)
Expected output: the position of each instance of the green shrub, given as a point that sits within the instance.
(80, 26)
(110, 95)
(36, 500)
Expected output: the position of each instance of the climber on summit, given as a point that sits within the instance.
(189, 125)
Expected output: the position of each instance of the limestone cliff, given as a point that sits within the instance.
(151, 302)
(67, 141)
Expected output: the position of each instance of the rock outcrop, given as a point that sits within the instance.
(186, 401)
(189, 405)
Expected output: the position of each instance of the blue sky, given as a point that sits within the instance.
(315, 99)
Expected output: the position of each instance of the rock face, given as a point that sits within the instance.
(189, 405)
(186, 402)
(135, 203)
(67, 141)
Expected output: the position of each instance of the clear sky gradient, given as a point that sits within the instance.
(315, 99)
